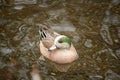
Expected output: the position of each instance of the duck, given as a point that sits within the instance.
(56, 47)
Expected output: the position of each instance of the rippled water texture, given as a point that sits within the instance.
(92, 25)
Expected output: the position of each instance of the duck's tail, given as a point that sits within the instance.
(42, 29)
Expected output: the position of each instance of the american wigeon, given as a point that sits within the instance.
(55, 47)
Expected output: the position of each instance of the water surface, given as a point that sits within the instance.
(92, 25)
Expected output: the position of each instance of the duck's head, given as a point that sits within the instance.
(61, 42)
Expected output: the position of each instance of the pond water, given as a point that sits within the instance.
(92, 25)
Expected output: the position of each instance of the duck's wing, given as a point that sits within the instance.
(47, 36)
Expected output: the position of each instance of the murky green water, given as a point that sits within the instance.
(93, 26)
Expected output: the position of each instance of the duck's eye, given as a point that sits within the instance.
(60, 41)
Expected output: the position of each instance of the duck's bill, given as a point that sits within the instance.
(52, 48)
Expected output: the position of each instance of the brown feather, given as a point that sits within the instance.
(50, 35)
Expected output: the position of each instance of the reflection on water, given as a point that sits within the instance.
(93, 26)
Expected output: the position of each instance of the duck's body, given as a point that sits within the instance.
(59, 56)
(55, 47)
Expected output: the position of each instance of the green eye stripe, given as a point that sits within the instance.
(65, 39)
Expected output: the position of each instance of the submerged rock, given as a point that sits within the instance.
(110, 75)
(19, 7)
(88, 43)
(64, 25)
(118, 53)
(5, 51)
(95, 77)
(25, 1)
(108, 51)
(104, 32)
(118, 30)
